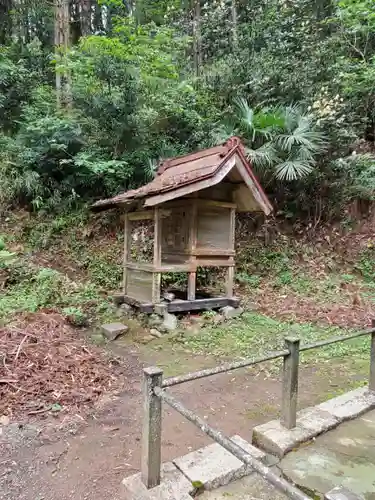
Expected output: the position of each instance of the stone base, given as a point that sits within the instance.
(174, 486)
(276, 439)
(213, 466)
(351, 404)
(207, 468)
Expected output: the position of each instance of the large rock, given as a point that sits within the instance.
(154, 320)
(170, 323)
(155, 333)
(113, 330)
(229, 312)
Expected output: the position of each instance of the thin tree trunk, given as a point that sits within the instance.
(197, 40)
(234, 26)
(85, 17)
(62, 42)
(98, 18)
(5, 21)
(75, 22)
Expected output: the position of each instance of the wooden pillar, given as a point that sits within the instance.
(127, 243)
(192, 277)
(151, 430)
(371, 383)
(229, 281)
(290, 384)
(156, 277)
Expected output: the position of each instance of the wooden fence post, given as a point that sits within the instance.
(371, 382)
(290, 384)
(151, 430)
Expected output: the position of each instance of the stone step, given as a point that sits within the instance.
(213, 466)
(252, 487)
(209, 468)
(311, 422)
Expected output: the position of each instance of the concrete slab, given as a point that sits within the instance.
(252, 487)
(274, 438)
(174, 486)
(213, 466)
(343, 457)
(350, 405)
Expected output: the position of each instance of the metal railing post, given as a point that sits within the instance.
(151, 430)
(290, 384)
(371, 382)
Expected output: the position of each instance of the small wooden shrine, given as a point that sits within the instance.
(192, 203)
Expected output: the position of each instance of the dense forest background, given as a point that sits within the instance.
(93, 93)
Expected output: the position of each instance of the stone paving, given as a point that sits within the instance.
(344, 456)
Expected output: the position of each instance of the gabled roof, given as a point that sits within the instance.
(190, 172)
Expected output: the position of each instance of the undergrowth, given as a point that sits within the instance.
(254, 335)
(29, 288)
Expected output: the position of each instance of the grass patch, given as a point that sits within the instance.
(30, 289)
(254, 335)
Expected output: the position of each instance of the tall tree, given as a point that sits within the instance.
(86, 13)
(62, 42)
(197, 37)
(234, 25)
(5, 21)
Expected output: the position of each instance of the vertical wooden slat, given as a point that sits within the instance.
(193, 225)
(232, 228)
(156, 278)
(229, 282)
(127, 241)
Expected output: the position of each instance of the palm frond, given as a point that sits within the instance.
(223, 132)
(293, 169)
(303, 135)
(291, 115)
(246, 113)
(262, 158)
(265, 122)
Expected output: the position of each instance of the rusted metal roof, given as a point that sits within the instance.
(181, 171)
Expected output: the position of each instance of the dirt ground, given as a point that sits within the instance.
(75, 457)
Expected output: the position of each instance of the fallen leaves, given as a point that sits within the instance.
(46, 366)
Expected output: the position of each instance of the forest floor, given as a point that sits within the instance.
(81, 448)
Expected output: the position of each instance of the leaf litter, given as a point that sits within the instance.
(45, 365)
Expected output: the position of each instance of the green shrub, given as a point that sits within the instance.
(75, 316)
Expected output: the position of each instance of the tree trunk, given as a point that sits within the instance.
(62, 42)
(234, 26)
(85, 17)
(75, 22)
(197, 40)
(98, 18)
(5, 21)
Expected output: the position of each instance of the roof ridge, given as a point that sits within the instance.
(223, 150)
